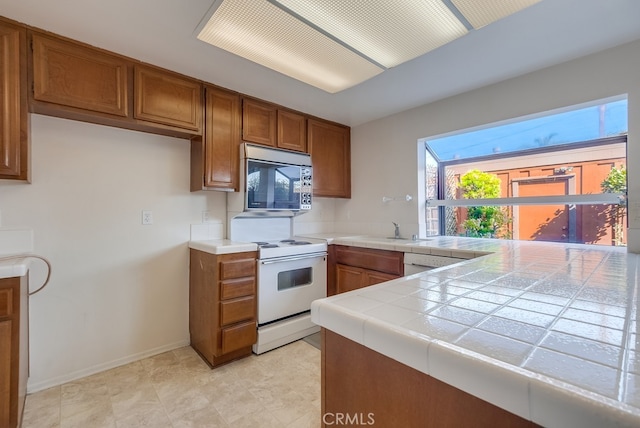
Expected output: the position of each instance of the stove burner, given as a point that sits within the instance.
(300, 243)
(288, 241)
(260, 243)
(269, 246)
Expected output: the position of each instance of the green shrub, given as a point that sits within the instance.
(483, 221)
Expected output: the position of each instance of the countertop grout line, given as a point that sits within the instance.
(538, 344)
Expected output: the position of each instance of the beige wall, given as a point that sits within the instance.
(385, 159)
(118, 290)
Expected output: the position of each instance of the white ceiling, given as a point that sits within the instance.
(162, 32)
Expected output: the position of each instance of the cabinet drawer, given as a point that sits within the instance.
(232, 311)
(233, 288)
(6, 302)
(379, 260)
(230, 269)
(238, 337)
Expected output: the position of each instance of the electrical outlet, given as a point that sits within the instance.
(206, 216)
(147, 217)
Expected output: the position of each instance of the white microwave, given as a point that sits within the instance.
(275, 180)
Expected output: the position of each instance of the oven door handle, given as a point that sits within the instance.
(293, 258)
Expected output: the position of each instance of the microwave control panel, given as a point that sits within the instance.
(306, 188)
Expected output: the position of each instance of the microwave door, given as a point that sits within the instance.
(272, 186)
(287, 188)
(259, 192)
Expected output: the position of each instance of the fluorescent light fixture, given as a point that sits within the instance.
(483, 12)
(261, 32)
(389, 32)
(336, 44)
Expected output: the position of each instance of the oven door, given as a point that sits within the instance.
(288, 285)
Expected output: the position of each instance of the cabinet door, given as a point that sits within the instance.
(349, 278)
(372, 277)
(258, 122)
(168, 99)
(14, 144)
(6, 350)
(330, 149)
(292, 131)
(77, 76)
(220, 155)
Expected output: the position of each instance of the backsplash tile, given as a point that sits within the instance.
(16, 241)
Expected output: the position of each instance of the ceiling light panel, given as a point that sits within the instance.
(483, 12)
(263, 33)
(389, 32)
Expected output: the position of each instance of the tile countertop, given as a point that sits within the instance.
(12, 266)
(546, 331)
(222, 246)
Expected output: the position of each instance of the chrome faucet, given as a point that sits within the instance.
(396, 233)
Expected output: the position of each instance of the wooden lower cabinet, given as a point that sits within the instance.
(351, 278)
(14, 349)
(355, 267)
(373, 389)
(222, 305)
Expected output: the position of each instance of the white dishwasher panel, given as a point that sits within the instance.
(414, 263)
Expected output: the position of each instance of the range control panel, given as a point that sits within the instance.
(306, 188)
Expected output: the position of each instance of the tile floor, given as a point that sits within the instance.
(280, 388)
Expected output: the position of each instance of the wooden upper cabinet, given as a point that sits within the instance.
(266, 124)
(14, 141)
(215, 157)
(292, 131)
(78, 76)
(167, 98)
(259, 122)
(330, 149)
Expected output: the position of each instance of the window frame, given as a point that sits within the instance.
(571, 200)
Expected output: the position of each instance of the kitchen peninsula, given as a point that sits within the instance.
(533, 333)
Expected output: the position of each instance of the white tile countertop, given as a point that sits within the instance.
(13, 267)
(222, 246)
(546, 331)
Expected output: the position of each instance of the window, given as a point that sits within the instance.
(559, 176)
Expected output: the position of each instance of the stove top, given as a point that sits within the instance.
(289, 247)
